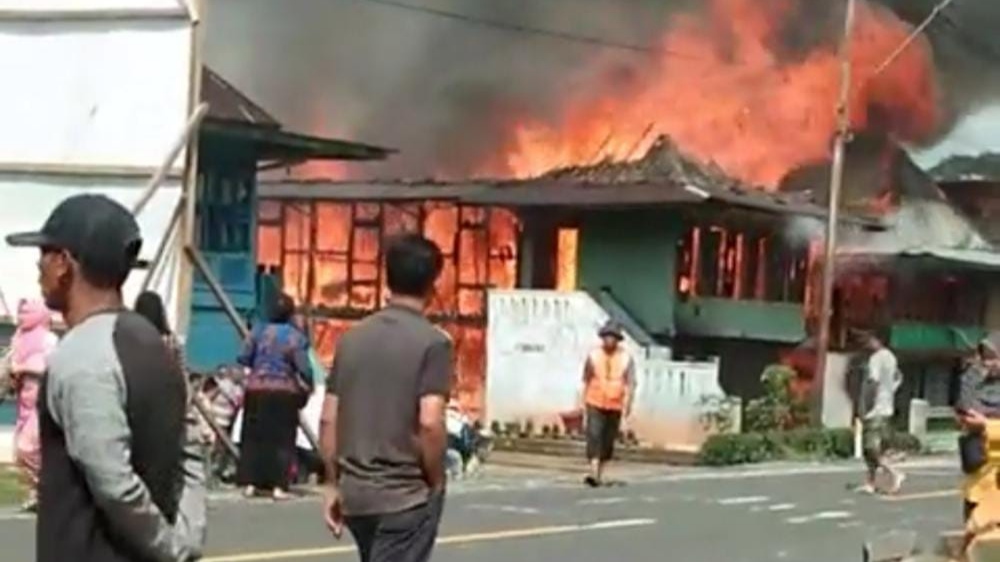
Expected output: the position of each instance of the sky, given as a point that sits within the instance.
(974, 134)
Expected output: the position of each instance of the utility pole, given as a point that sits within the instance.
(836, 182)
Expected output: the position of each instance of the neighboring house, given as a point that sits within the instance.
(927, 280)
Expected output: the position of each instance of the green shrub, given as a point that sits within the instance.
(778, 409)
(732, 449)
(746, 448)
(840, 443)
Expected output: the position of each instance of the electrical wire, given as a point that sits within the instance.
(531, 30)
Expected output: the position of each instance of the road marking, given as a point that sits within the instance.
(781, 507)
(503, 508)
(822, 515)
(745, 500)
(602, 501)
(454, 539)
(920, 496)
(688, 475)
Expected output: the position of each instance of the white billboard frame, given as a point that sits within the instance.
(48, 16)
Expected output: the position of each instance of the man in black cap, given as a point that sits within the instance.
(116, 483)
(608, 389)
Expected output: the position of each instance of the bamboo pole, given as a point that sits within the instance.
(186, 228)
(199, 264)
(161, 250)
(836, 183)
(161, 173)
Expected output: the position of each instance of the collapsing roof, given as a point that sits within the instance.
(921, 220)
(234, 116)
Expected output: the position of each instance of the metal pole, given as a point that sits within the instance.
(196, 259)
(836, 182)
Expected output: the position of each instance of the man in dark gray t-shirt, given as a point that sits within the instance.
(383, 434)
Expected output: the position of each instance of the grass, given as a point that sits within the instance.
(11, 491)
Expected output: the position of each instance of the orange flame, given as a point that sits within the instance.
(725, 93)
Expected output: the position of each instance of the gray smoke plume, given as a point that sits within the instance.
(444, 91)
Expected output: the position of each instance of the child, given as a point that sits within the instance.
(223, 394)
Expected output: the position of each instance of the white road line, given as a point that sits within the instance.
(279, 555)
(602, 501)
(504, 508)
(766, 472)
(744, 500)
(820, 516)
(781, 507)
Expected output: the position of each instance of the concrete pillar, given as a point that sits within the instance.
(917, 420)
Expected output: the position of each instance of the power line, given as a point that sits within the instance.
(917, 32)
(530, 30)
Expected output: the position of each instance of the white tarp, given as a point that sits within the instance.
(95, 93)
(25, 204)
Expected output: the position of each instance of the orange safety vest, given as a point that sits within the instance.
(607, 385)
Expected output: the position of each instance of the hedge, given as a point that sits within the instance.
(746, 448)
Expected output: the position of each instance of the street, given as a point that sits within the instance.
(755, 514)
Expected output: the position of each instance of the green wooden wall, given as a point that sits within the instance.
(743, 319)
(633, 253)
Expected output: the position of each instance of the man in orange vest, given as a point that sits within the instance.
(608, 388)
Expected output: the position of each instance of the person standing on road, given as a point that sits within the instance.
(382, 433)
(881, 380)
(31, 346)
(608, 388)
(280, 383)
(114, 484)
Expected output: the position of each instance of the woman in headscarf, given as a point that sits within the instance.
(32, 343)
(278, 386)
(978, 402)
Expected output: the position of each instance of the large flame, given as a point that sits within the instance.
(727, 90)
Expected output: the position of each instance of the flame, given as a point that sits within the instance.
(726, 91)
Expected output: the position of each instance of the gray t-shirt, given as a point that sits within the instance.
(381, 369)
(88, 396)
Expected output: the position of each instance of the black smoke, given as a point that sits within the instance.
(444, 91)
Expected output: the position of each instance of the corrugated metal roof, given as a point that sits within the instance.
(226, 103)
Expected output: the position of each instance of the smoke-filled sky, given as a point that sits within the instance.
(436, 88)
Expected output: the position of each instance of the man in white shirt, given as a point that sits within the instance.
(882, 379)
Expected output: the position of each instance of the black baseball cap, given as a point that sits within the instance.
(96, 230)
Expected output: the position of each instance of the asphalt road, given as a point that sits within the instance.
(763, 514)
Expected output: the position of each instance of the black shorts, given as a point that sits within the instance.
(602, 430)
(406, 536)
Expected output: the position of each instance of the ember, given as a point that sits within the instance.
(727, 90)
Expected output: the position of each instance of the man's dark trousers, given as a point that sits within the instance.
(406, 536)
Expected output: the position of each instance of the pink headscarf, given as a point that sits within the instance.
(33, 339)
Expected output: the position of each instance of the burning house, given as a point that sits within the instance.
(693, 262)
